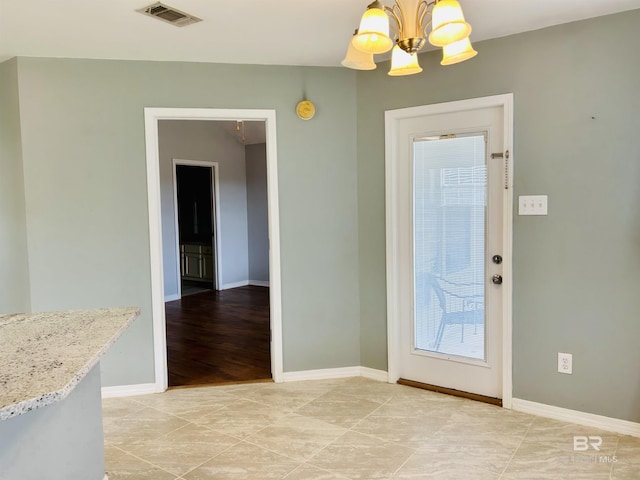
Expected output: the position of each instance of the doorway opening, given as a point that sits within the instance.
(195, 225)
(218, 315)
(223, 282)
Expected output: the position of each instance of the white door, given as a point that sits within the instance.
(449, 173)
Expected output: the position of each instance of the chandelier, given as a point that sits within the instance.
(411, 21)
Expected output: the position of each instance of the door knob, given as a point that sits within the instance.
(497, 259)
(496, 279)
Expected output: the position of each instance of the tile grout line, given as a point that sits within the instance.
(145, 461)
(270, 405)
(203, 416)
(165, 433)
(289, 414)
(208, 460)
(394, 442)
(189, 423)
(307, 461)
(413, 450)
(416, 450)
(239, 440)
(414, 453)
(501, 477)
(369, 414)
(283, 455)
(243, 440)
(615, 453)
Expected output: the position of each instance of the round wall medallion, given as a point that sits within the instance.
(305, 110)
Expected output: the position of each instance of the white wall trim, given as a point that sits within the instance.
(244, 283)
(392, 120)
(507, 255)
(341, 372)
(176, 227)
(374, 374)
(217, 238)
(171, 298)
(574, 416)
(227, 286)
(321, 374)
(130, 390)
(151, 118)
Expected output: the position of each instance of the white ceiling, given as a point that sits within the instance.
(279, 32)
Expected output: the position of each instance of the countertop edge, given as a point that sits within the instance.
(49, 398)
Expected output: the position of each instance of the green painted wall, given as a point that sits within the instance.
(14, 270)
(85, 183)
(577, 270)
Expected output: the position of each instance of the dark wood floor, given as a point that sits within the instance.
(219, 337)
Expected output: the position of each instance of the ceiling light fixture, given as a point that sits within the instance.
(240, 132)
(411, 21)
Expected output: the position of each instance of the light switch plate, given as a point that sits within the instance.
(532, 205)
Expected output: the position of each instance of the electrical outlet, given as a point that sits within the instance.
(565, 363)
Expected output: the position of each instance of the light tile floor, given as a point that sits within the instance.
(346, 429)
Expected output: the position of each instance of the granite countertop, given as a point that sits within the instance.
(43, 356)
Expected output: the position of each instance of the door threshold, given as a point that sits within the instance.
(221, 384)
(451, 391)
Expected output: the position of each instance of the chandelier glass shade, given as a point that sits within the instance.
(410, 21)
(457, 52)
(357, 59)
(373, 34)
(447, 25)
(403, 63)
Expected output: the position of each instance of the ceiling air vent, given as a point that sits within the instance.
(169, 14)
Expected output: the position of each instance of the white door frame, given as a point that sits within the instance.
(215, 220)
(151, 118)
(392, 120)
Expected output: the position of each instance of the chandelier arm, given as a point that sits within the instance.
(422, 10)
(427, 24)
(391, 11)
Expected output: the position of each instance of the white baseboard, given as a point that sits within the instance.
(581, 418)
(374, 374)
(227, 286)
(329, 373)
(129, 390)
(171, 298)
(322, 374)
(244, 283)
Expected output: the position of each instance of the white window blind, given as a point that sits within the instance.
(450, 180)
